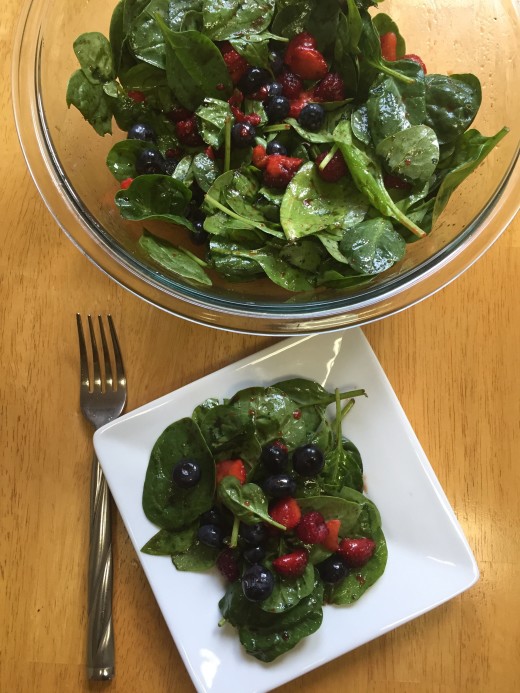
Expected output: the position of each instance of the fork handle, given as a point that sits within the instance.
(100, 646)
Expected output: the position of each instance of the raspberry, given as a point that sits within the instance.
(237, 66)
(280, 170)
(228, 566)
(312, 528)
(330, 88)
(173, 153)
(126, 183)
(331, 542)
(303, 99)
(291, 84)
(188, 132)
(234, 468)
(261, 94)
(286, 512)
(236, 98)
(259, 156)
(291, 565)
(307, 63)
(334, 170)
(356, 552)
(136, 96)
(416, 59)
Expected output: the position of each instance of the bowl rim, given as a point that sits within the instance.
(217, 311)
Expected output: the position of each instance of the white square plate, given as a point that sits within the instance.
(429, 560)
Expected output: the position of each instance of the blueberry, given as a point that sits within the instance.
(279, 486)
(257, 583)
(308, 460)
(275, 147)
(254, 554)
(274, 89)
(211, 517)
(149, 161)
(311, 117)
(277, 108)
(186, 473)
(274, 456)
(141, 131)
(198, 235)
(276, 61)
(210, 535)
(243, 135)
(254, 78)
(332, 569)
(253, 534)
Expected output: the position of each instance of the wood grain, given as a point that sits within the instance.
(453, 360)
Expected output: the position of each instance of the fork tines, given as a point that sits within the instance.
(107, 372)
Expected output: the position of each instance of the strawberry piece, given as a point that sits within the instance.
(188, 132)
(292, 85)
(389, 46)
(330, 88)
(228, 565)
(234, 468)
(297, 104)
(210, 153)
(302, 40)
(286, 512)
(259, 156)
(356, 552)
(416, 59)
(312, 528)
(280, 170)
(126, 183)
(334, 170)
(237, 66)
(331, 542)
(291, 565)
(136, 96)
(307, 63)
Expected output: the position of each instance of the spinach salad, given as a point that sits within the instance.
(266, 487)
(292, 139)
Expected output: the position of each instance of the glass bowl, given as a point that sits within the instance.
(67, 161)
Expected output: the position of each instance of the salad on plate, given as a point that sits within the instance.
(294, 140)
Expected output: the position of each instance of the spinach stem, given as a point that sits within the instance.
(234, 533)
(227, 144)
(277, 128)
(348, 406)
(352, 393)
(326, 161)
(226, 210)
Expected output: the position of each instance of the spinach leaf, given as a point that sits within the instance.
(248, 502)
(166, 542)
(174, 259)
(225, 19)
(412, 154)
(94, 54)
(306, 254)
(370, 48)
(322, 23)
(372, 246)
(291, 19)
(267, 636)
(151, 81)
(334, 508)
(154, 196)
(384, 25)
(288, 592)
(122, 157)
(91, 101)
(360, 125)
(310, 204)
(452, 103)
(205, 170)
(196, 559)
(255, 48)
(117, 34)
(212, 116)
(195, 68)
(367, 175)
(470, 150)
(164, 503)
(306, 393)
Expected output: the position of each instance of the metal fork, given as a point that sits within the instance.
(102, 398)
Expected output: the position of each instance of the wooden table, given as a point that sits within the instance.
(453, 360)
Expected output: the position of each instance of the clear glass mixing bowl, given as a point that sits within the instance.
(67, 161)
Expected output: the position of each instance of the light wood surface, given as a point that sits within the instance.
(453, 360)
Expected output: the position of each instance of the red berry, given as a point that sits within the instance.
(228, 566)
(416, 59)
(126, 183)
(136, 96)
(179, 113)
(234, 468)
(280, 170)
(356, 552)
(330, 88)
(389, 46)
(188, 132)
(334, 170)
(304, 40)
(236, 98)
(307, 63)
(396, 183)
(236, 65)
(331, 542)
(260, 95)
(297, 104)
(291, 84)
(259, 156)
(286, 512)
(173, 153)
(312, 528)
(291, 565)
(209, 152)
